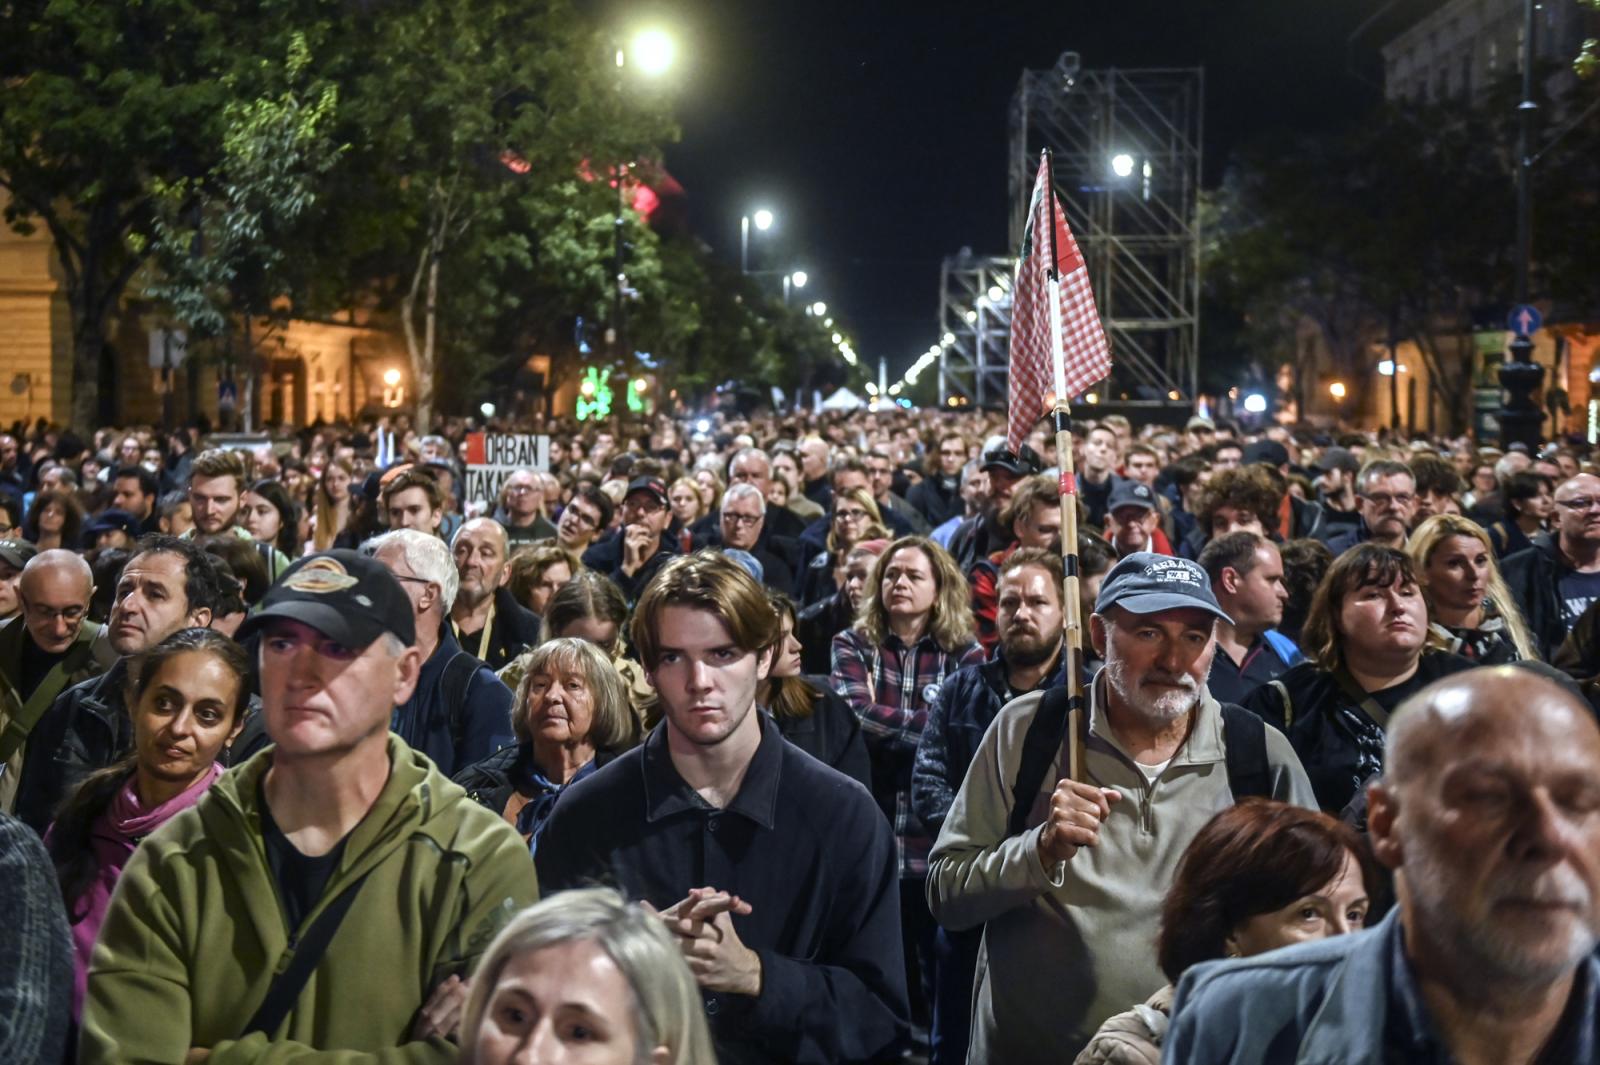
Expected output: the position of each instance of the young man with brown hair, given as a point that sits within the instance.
(776, 873)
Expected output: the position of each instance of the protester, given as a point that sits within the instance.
(587, 514)
(114, 530)
(984, 532)
(1556, 579)
(571, 717)
(538, 573)
(522, 511)
(816, 624)
(1486, 813)
(166, 586)
(1246, 574)
(809, 713)
(880, 472)
(1243, 499)
(14, 555)
(1470, 610)
(1097, 471)
(485, 617)
(584, 976)
(1387, 492)
(1336, 470)
(1366, 645)
(1529, 502)
(458, 713)
(854, 518)
(55, 520)
(411, 499)
(683, 496)
(1027, 657)
(271, 517)
(1133, 520)
(333, 503)
(743, 519)
(187, 698)
(802, 963)
(913, 632)
(1034, 517)
(635, 551)
(217, 482)
(938, 494)
(1066, 881)
(338, 815)
(50, 646)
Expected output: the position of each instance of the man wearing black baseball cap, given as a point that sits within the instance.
(337, 858)
(633, 553)
(1069, 891)
(984, 533)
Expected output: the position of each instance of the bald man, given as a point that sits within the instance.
(49, 646)
(1489, 813)
(1558, 578)
(486, 618)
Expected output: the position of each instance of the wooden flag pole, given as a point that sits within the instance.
(1071, 607)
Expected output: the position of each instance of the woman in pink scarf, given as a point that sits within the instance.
(186, 698)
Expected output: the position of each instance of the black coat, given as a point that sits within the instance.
(516, 628)
(831, 735)
(815, 628)
(938, 498)
(605, 556)
(1534, 577)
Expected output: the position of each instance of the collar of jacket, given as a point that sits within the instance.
(1349, 1027)
(996, 674)
(667, 794)
(1203, 745)
(87, 648)
(413, 796)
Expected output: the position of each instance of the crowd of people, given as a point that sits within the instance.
(744, 739)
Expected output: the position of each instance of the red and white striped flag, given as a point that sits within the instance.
(1086, 358)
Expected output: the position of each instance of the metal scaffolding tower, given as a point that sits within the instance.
(974, 328)
(1127, 170)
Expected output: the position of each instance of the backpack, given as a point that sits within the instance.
(458, 674)
(1244, 735)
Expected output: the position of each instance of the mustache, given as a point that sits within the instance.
(1558, 886)
(1178, 680)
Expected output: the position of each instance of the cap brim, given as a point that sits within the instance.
(353, 632)
(1155, 602)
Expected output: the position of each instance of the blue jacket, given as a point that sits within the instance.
(455, 736)
(1322, 1003)
(969, 700)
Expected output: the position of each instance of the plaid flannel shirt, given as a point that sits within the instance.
(891, 688)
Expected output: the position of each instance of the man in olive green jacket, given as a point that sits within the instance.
(48, 647)
(212, 905)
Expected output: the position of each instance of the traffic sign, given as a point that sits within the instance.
(1524, 320)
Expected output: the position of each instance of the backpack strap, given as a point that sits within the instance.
(1244, 739)
(1039, 748)
(453, 685)
(287, 985)
(1286, 703)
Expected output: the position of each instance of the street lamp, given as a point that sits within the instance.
(1122, 164)
(797, 279)
(763, 220)
(653, 52)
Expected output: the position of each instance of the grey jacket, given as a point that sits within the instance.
(1321, 1003)
(1066, 948)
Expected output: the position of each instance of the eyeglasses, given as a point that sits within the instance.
(1384, 499)
(644, 505)
(741, 519)
(1579, 503)
(71, 613)
(581, 519)
(518, 489)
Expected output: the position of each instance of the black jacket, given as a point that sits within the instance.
(492, 781)
(459, 713)
(831, 735)
(605, 556)
(937, 497)
(1339, 743)
(1534, 577)
(803, 844)
(816, 626)
(515, 629)
(969, 700)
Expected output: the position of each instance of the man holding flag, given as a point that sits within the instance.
(1065, 833)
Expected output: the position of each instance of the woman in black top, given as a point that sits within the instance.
(1470, 609)
(1366, 638)
(809, 713)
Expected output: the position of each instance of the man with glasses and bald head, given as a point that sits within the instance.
(47, 648)
(1557, 579)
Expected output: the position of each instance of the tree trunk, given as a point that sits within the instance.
(88, 349)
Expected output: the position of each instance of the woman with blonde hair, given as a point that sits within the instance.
(855, 517)
(332, 502)
(571, 715)
(1470, 609)
(584, 975)
(913, 631)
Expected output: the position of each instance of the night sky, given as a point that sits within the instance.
(876, 130)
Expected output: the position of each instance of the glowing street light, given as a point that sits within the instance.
(819, 309)
(1255, 403)
(1122, 164)
(799, 278)
(391, 377)
(653, 52)
(763, 220)
(1337, 390)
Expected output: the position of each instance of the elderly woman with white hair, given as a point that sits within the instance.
(570, 717)
(585, 976)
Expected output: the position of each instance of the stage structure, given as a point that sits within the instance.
(1127, 170)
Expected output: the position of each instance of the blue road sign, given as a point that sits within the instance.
(1524, 320)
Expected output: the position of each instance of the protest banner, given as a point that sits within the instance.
(492, 457)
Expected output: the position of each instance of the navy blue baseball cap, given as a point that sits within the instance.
(1131, 494)
(1147, 583)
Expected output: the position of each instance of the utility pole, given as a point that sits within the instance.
(1520, 418)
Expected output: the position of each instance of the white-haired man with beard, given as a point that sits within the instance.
(1489, 812)
(1069, 882)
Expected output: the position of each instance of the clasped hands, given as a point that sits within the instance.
(702, 923)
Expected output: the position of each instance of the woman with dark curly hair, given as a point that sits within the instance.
(1260, 875)
(54, 520)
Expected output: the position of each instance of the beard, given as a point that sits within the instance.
(1028, 647)
(1157, 708)
(1484, 941)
